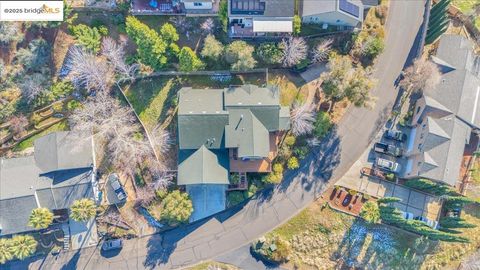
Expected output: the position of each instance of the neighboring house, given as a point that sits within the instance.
(223, 131)
(255, 18)
(445, 117)
(183, 7)
(59, 172)
(348, 13)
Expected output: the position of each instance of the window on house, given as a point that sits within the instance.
(418, 109)
(197, 4)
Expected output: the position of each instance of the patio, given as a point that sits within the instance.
(261, 165)
(155, 7)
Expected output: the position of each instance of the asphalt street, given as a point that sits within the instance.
(226, 232)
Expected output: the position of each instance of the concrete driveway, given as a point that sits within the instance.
(238, 226)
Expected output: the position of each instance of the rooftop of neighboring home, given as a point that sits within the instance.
(351, 8)
(57, 174)
(459, 88)
(267, 8)
(450, 112)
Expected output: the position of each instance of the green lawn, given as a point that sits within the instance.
(469, 7)
(153, 98)
(61, 126)
(322, 238)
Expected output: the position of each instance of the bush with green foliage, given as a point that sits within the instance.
(455, 202)
(391, 215)
(236, 197)
(370, 212)
(297, 24)
(83, 210)
(455, 222)
(289, 140)
(212, 48)
(275, 249)
(388, 200)
(239, 54)
(40, 218)
(301, 152)
(373, 47)
(429, 186)
(269, 53)
(223, 14)
(23, 246)
(323, 124)
(73, 104)
(189, 61)
(292, 163)
(61, 89)
(87, 36)
(151, 48)
(6, 250)
(176, 207)
(275, 177)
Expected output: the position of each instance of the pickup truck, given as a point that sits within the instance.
(388, 149)
(395, 135)
(388, 165)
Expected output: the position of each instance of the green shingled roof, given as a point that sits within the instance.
(204, 167)
(247, 133)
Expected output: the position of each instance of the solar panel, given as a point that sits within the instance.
(349, 8)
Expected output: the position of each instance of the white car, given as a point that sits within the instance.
(388, 165)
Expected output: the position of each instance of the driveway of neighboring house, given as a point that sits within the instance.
(238, 226)
(83, 234)
(314, 72)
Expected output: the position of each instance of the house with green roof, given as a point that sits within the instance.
(225, 131)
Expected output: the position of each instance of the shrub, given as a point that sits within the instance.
(73, 104)
(57, 107)
(23, 246)
(352, 192)
(276, 175)
(6, 252)
(103, 30)
(176, 207)
(390, 176)
(282, 252)
(290, 140)
(212, 48)
(61, 89)
(87, 36)
(235, 197)
(292, 163)
(239, 54)
(301, 152)
(269, 53)
(370, 212)
(297, 24)
(386, 200)
(83, 210)
(373, 47)
(322, 124)
(40, 218)
(189, 61)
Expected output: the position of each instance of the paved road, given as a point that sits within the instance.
(237, 227)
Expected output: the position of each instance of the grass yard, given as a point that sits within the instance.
(326, 239)
(154, 98)
(290, 87)
(212, 266)
(61, 126)
(469, 7)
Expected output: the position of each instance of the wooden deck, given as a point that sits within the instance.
(262, 165)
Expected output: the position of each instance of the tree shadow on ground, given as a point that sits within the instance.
(379, 246)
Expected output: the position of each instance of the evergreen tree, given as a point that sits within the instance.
(176, 207)
(189, 60)
(151, 48)
(87, 36)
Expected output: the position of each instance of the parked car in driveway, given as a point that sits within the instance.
(114, 181)
(388, 149)
(388, 165)
(112, 244)
(395, 135)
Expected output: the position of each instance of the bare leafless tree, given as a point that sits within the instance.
(89, 71)
(115, 54)
(303, 119)
(207, 25)
(18, 124)
(422, 75)
(322, 50)
(161, 139)
(145, 195)
(33, 86)
(294, 51)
